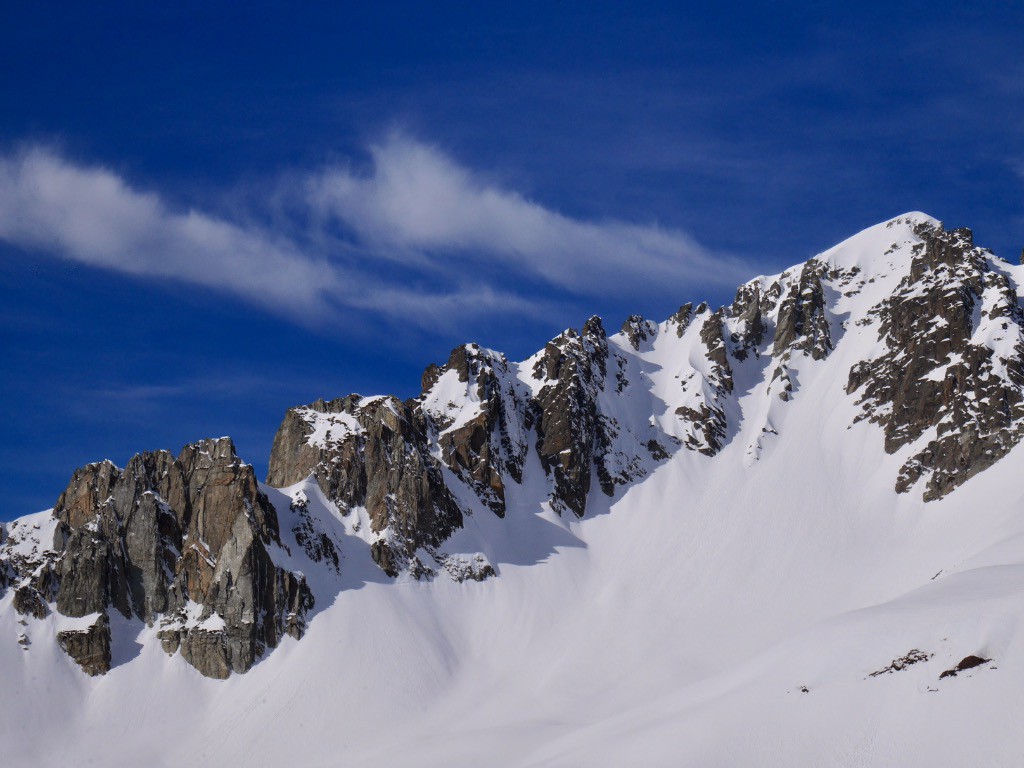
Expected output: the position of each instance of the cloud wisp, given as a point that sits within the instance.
(416, 235)
(91, 216)
(417, 200)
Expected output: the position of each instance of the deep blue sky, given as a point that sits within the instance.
(751, 136)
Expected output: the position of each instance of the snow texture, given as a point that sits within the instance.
(720, 611)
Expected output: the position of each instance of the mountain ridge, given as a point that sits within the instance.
(882, 375)
(418, 468)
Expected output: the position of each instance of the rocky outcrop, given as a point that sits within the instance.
(318, 546)
(89, 646)
(953, 362)
(28, 566)
(966, 663)
(681, 318)
(577, 379)
(28, 602)
(371, 453)
(637, 330)
(704, 412)
(803, 323)
(468, 568)
(909, 659)
(571, 371)
(474, 425)
(480, 418)
(750, 326)
(181, 541)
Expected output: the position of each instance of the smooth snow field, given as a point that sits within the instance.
(724, 611)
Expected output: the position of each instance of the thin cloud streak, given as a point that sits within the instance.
(418, 200)
(418, 239)
(91, 216)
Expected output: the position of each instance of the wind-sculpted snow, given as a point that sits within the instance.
(785, 531)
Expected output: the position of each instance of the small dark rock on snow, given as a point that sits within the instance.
(968, 662)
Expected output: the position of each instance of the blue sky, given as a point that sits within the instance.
(209, 216)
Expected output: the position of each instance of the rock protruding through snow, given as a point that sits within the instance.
(181, 542)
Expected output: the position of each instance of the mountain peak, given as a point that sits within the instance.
(906, 331)
(733, 483)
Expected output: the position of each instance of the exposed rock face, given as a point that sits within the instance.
(319, 547)
(578, 381)
(475, 424)
(954, 361)
(681, 319)
(372, 453)
(569, 434)
(28, 602)
(637, 330)
(89, 647)
(704, 414)
(480, 418)
(803, 325)
(750, 326)
(184, 541)
(803, 322)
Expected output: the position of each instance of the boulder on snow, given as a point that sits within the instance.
(968, 662)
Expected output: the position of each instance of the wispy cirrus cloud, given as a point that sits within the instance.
(418, 200)
(415, 235)
(92, 216)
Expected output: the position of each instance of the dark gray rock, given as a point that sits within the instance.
(489, 448)
(933, 375)
(151, 531)
(90, 648)
(28, 602)
(911, 657)
(570, 438)
(707, 418)
(318, 546)
(968, 662)
(166, 533)
(681, 319)
(207, 651)
(482, 421)
(803, 321)
(382, 462)
(91, 574)
(747, 309)
(637, 330)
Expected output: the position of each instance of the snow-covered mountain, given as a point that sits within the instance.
(785, 531)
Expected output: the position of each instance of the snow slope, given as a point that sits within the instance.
(719, 612)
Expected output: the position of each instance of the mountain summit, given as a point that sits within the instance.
(807, 495)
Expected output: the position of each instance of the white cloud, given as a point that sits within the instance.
(416, 199)
(418, 236)
(90, 215)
